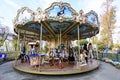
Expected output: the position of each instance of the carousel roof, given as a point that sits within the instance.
(59, 17)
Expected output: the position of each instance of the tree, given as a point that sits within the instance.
(82, 42)
(101, 46)
(117, 46)
(14, 43)
(108, 22)
(1, 41)
(94, 40)
(4, 32)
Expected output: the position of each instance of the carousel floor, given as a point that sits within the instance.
(47, 69)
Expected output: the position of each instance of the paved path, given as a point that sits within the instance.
(105, 72)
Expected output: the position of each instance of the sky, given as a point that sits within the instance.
(8, 9)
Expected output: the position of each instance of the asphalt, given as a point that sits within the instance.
(104, 72)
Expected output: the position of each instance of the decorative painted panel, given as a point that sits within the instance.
(84, 28)
(81, 29)
(25, 16)
(92, 18)
(60, 11)
(57, 26)
(35, 27)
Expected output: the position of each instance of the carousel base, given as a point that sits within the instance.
(64, 69)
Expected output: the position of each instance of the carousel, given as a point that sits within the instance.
(58, 25)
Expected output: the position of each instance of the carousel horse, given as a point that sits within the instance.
(21, 57)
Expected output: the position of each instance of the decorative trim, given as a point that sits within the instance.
(93, 12)
(60, 4)
(15, 21)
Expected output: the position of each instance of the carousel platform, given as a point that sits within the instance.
(46, 69)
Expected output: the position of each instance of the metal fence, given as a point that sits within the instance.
(10, 56)
(112, 56)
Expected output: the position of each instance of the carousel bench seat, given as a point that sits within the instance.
(26, 57)
(34, 59)
(34, 55)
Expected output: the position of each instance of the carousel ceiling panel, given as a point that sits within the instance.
(27, 32)
(82, 28)
(82, 36)
(88, 33)
(57, 26)
(35, 27)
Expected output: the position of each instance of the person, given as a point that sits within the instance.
(24, 49)
(36, 48)
(22, 54)
(65, 55)
(106, 49)
(51, 55)
(95, 53)
(42, 60)
(21, 57)
(86, 52)
(58, 52)
(71, 57)
(83, 56)
(90, 48)
(32, 49)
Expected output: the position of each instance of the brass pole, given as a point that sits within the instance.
(40, 46)
(18, 40)
(24, 43)
(89, 40)
(18, 44)
(78, 43)
(96, 46)
(60, 38)
(41, 38)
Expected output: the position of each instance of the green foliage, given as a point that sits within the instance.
(1, 43)
(117, 46)
(101, 46)
(94, 40)
(76, 48)
(14, 43)
(82, 42)
(6, 45)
